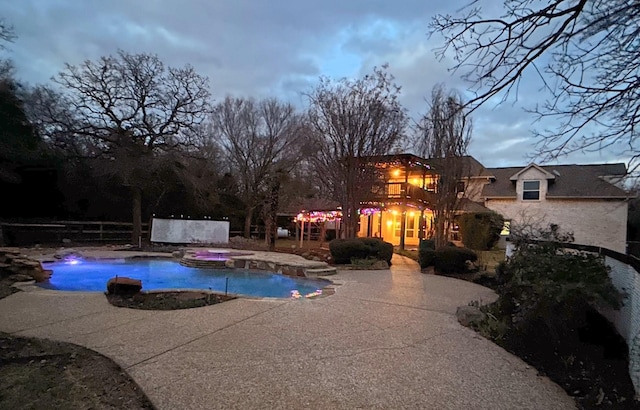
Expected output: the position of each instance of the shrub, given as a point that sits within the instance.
(431, 244)
(426, 257)
(344, 250)
(427, 244)
(379, 249)
(546, 288)
(480, 230)
(450, 259)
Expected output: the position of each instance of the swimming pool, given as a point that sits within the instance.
(156, 274)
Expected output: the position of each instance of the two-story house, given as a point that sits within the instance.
(583, 199)
(396, 210)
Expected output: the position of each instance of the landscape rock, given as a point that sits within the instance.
(471, 266)
(29, 267)
(467, 315)
(17, 277)
(121, 285)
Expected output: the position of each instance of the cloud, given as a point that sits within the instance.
(279, 48)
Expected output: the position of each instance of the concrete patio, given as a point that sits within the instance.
(386, 339)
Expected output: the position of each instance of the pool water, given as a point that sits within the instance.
(81, 275)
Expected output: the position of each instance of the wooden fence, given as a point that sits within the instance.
(24, 234)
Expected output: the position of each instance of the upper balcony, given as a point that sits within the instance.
(400, 191)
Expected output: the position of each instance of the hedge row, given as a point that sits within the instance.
(343, 251)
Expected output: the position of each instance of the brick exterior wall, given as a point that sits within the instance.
(600, 223)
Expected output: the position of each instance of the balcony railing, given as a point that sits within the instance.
(399, 191)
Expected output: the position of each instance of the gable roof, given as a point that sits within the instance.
(548, 175)
(570, 181)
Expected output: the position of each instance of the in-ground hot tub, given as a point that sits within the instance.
(210, 258)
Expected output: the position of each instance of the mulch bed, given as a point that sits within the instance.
(44, 374)
(319, 254)
(167, 300)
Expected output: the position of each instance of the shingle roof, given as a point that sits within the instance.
(468, 205)
(471, 166)
(571, 181)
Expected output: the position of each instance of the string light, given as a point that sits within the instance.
(318, 216)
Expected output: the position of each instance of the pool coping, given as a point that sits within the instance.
(32, 286)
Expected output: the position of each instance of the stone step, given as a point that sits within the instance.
(329, 270)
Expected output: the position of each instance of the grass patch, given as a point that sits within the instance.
(411, 254)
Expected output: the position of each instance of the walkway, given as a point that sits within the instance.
(384, 340)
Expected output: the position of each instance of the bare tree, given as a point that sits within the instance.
(7, 34)
(443, 137)
(126, 109)
(262, 142)
(351, 120)
(586, 52)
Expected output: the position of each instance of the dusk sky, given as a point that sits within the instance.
(277, 48)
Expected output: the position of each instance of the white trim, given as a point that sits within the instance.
(516, 176)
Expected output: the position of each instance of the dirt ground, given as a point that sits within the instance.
(43, 374)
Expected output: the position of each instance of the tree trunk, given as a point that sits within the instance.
(350, 223)
(440, 231)
(272, 213)
(247, 223)
(136, 233)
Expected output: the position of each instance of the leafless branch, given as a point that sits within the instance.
(585, 51)
(349, 121)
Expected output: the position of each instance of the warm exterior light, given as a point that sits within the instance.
(396, 172)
